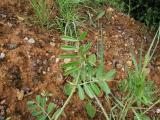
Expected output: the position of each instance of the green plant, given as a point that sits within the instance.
(87, 79)
(41, 11)
(137, 85)
(68, 17)
(41, 109)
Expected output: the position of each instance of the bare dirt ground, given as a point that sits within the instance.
(31, 63)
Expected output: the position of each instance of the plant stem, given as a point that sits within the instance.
(69, 98)
(66, 103)
(158, 101)
(100, 105)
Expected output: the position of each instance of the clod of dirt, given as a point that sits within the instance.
(14, 76)
(2, 56)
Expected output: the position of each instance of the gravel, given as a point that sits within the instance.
(2, 56)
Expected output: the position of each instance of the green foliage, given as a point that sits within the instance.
(68, 18)
(41, 11)
(92, 79)
(41, 109)
(137, 85)
(91, 110)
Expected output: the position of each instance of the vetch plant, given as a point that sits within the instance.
(88, 80)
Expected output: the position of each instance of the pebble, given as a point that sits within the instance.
(44, 72)
(2, 55)
(26, 39)
(57, 60)
(158, 110)
(52, 44)
(31, 41)
(20, 94)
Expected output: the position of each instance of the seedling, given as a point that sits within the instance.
(41, 109)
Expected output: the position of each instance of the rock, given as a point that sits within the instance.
(158, 110)
(9, 24)
(57, 60)
(2, 56)
(26, 39)
(20, 94)
(52, 44)
(44, 72)
(31, 41)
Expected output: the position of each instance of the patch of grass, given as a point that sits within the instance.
(42, 12)
(137, 85)
(68, 18)
(140, 91)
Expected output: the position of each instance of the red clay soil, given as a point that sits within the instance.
(33, 66)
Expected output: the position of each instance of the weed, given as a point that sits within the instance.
(41, 109)
(41, 11)
(68, 18)
(137, 84)
(87, 79)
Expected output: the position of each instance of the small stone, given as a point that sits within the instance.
(129, 63)
(2, 55)
(158, 110)
(44, 72)
(57, 60)
(125, 44)
(67, 60)
(9, 24)
(48, 69)
(31, 41)
(20, 94)
(52, 44)
(26, 39)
